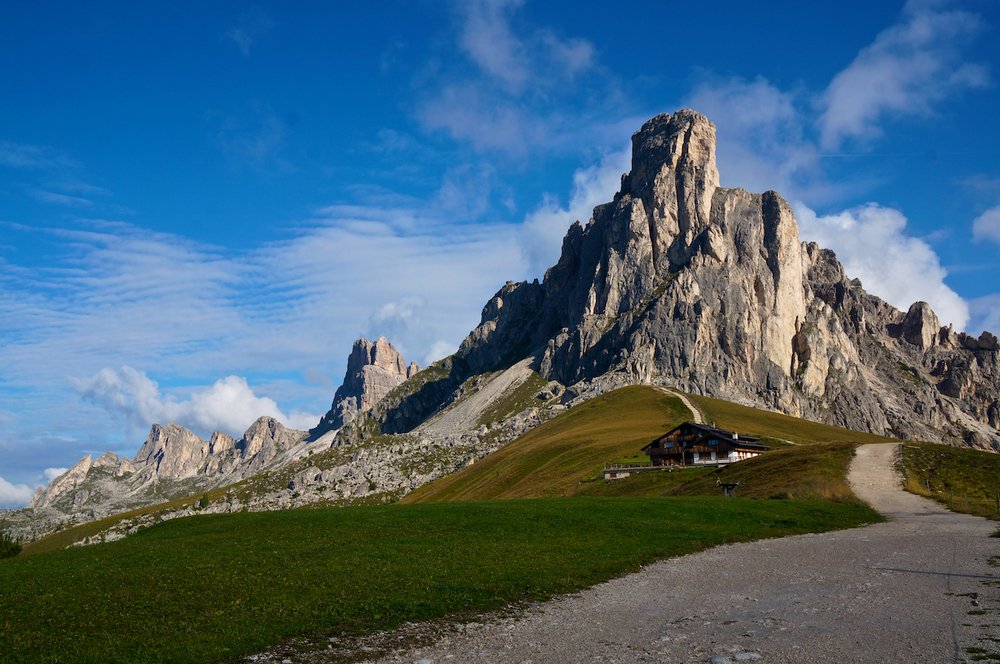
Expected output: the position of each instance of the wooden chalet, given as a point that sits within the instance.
(691, 444)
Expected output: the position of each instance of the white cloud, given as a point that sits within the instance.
(511, 99)
(14, 495)
(229, 405)
(486, 37)
(985, 312)
(51, 473)
(439, 350)
(987, 225)
(907, 69)
(544, 228)
(61, 199)
(517, 58)
(873, 245)
(761, 142)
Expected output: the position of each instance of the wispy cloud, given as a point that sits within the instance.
(504, 96)
(985, 313)
(56, 198)
(910, 67)
(762, 143)
(252, 25)
(255, 138)
(545, 227)
(987, 226)
(33, 157)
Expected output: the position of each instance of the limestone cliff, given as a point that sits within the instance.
(679, 280)
(373, 370)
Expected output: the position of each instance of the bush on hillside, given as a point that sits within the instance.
(9, 547)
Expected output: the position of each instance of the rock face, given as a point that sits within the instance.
(373, 370)
(171, 462)
(679, 280)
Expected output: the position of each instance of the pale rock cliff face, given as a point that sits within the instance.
(373, 370)
(64, 484)
(679, 280)
(172, 452)
(171, 462)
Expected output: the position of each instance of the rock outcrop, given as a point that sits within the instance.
(373, 370)
(710, 289)
(172, 462)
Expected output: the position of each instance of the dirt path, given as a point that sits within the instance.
(696, 415)
(900, 591)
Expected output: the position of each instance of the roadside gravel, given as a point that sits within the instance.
(910, 590)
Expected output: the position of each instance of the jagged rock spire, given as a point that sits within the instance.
(373, 370)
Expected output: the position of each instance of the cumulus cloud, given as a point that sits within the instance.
(985, 313)
(872, 243)
(229, 405)
(14, 495)
(987, 225)
(907, 69)
(544, 228)
(50, 474)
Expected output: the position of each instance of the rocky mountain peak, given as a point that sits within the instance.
(920, 326)
(680, 280)
(171, 451)
(373, 370)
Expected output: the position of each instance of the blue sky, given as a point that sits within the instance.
(203, 204)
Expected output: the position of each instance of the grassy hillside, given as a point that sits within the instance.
(556, 458)
(806, 471)
(552, 459)
(965, 480)
(216, 587)
(752, 421)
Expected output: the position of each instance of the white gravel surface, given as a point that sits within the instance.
(900, 591)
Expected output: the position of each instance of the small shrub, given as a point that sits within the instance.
(203, 503)
(781, 495)
(9, 547)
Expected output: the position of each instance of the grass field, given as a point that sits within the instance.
(806, 471)
(965, 480)
(744, 419)
(562, 455)
(552, 459)
(213, 588)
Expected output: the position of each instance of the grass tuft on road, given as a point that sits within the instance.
(217, 587)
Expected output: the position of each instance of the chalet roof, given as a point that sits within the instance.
(715, 432)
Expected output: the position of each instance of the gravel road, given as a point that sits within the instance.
(916, 589)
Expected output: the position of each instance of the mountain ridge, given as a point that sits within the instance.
(709, 289)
